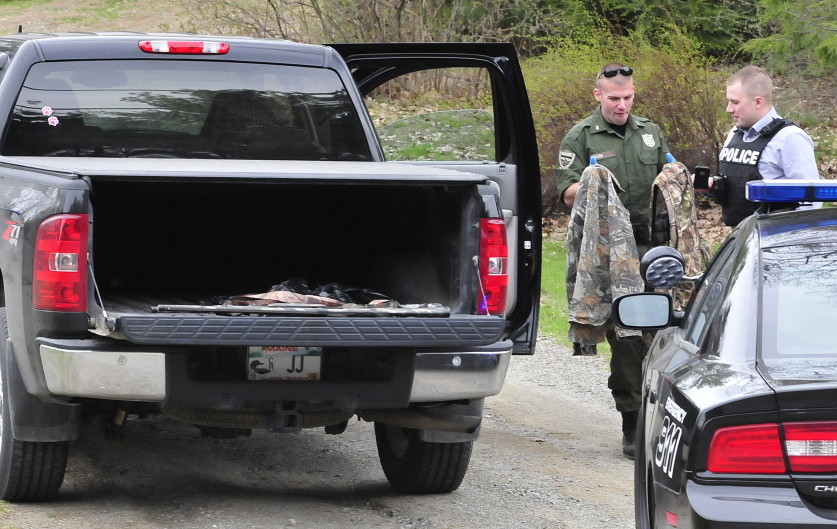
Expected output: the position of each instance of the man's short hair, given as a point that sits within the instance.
(606, 67)
(755, 82)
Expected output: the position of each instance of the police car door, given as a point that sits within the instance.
(464, 106)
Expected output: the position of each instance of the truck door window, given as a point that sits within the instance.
(435, 115)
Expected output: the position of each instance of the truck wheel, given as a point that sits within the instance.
(413, 466)
(29, 471)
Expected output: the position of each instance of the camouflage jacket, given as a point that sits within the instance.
(674, 222)
(635, 158)
(602, 258)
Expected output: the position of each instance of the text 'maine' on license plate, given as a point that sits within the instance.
(283, 363)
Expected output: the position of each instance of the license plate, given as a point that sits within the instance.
(284, 363)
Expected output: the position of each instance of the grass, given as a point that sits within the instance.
(22, 4)
(100, 10)
(466, 134)
(92, 15)
(553, 320)
(553, 316)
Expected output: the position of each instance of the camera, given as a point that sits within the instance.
(719, 189)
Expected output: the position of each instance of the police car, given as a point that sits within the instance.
(738, 426)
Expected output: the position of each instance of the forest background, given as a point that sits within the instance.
(681, 52)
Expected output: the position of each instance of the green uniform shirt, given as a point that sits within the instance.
(635, 159)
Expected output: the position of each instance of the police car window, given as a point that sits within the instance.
(799, 299)
(709, 294)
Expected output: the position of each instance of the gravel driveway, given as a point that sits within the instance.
(549, 457)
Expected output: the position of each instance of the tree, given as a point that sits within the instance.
(799, 35)
(519, 21)
(721, 25)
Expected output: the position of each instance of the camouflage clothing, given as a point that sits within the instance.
(674, 209)
(635, 159)
(602, 259)
(674, 223)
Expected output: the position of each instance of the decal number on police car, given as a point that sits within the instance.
(668, 444)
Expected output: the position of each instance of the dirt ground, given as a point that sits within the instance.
(91, 15)
(549, 456)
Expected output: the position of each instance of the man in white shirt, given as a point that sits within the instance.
(761, 145)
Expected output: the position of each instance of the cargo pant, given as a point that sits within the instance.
(626, 356)
(625, 381)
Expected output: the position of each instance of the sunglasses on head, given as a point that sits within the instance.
(611, 72)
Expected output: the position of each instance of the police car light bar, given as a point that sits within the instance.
(782, 190)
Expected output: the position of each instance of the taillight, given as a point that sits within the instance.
(494, 257)
(811, 446)
(184, 47)
(749, 449)
(60, 273)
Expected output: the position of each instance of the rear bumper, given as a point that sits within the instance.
(122, 375)
(461, 330)
(753, 507)
(106, 370)
(459, 375)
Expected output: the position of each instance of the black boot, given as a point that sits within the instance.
(584, 350)
(629, 419)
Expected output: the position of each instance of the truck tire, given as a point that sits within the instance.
(29, 471)
(413, 466)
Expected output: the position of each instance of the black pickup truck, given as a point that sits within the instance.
(209, 228)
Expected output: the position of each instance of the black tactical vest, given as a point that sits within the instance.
(739, 163)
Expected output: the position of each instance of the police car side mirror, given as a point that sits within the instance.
(662, 267)
(644, 311)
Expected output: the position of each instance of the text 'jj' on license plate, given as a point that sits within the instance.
(283, 363)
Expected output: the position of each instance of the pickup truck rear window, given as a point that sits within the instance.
(185, 109)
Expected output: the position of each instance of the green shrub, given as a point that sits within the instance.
(677, 88)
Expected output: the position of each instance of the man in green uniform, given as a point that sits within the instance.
(634, 149)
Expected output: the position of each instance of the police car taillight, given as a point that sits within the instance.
(747, 449)
(781, 190)
(812, 446)
(184, 47)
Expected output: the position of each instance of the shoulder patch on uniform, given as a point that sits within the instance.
(648, 139)
(565, 159)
